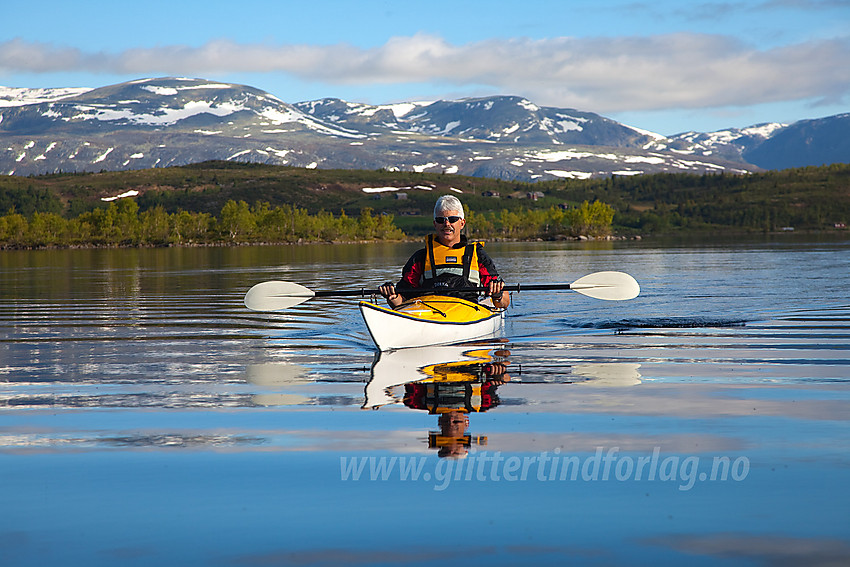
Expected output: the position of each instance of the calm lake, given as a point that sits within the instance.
(148, 418)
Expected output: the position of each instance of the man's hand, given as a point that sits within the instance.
(496, 290)
(393, 298)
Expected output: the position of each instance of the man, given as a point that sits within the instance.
(448, 262)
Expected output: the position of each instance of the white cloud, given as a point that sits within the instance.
(682, 70)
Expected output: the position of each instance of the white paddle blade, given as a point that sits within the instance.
(274, 296)
(612, 286)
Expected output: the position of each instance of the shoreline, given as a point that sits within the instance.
(561, 238)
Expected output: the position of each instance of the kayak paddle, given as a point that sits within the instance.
(277, 295)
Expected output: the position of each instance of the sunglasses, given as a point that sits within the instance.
(442, 220)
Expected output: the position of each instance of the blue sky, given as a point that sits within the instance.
(665, 66)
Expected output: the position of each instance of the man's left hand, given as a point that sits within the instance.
(496, 290)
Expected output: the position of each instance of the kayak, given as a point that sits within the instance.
(434, 319)
(430, 320)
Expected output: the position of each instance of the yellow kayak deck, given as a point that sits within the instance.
(443, 309)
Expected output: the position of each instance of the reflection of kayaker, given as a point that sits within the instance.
(468, 388)
(392, 369)
(452, 441)
(448, 381)
(454, 391)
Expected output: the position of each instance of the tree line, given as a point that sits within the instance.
(588, 219)
(122, 224)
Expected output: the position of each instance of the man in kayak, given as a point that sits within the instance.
(448, 262)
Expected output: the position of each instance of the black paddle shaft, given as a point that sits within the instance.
(438, 290)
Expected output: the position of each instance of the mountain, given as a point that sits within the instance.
(175, 121)
(505, 119)
(730, 144)
(808, 142)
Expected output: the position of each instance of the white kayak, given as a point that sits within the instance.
(434, 319)
(430, 320)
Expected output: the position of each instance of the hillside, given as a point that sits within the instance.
(807, 199)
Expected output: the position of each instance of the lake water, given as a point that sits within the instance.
(148, 418)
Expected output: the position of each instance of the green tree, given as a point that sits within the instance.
(367, 224)
(156, 227)
(13, 229)
(192, 227)
(47, 229)
(236, 221)
(591, 219)
(126, 228)
(386, 229)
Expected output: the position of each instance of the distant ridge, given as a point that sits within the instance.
(159, 122)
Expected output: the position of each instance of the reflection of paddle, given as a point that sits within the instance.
(277, 295)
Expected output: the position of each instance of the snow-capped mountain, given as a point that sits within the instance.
(186, 105)
(807, 142)
(506, 119)
(731, 144)
(175, 121)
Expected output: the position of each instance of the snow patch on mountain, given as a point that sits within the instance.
(567, 124)
(423, 167)
(449, 127)
(394, 189)
(164, 116)
(528, 105)
(161, 91)
(401, 110)
(562, 155)
(764, 130)
(43, 155)
(656, 160)
(653, 135)
(706, 142)
(569, 174)
(102, 156)
(13, 96)
(130, 193)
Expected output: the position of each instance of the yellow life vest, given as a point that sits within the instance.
(442, 262)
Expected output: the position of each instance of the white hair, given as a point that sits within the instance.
(448, 203)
